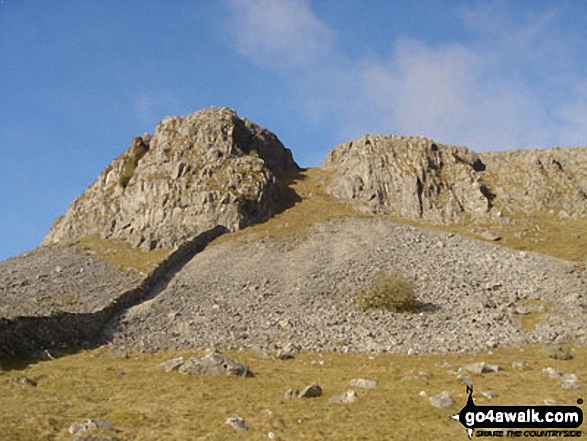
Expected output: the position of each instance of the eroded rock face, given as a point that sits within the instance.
(411, 177)
(418, 179)
(206, 169)
(549, 180)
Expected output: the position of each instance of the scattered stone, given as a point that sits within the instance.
(350, 396)
(423, 394)
(489, 394)
(24, 382)
(420, 376)
(214, 363)
(290, 393)
(95, 437)
(552, 372)
(311, 391)
(317, 362)
(364, 384)
(119, 352)
(550, 402)
(466, 379)
(172, 365)
(481, 368)
(521, 366)
(83, 426)
(489, 235)
(237, 423)
(570, 381)
(558, 353)
(442, 400)
(282, 354)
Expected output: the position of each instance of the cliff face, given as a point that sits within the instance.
(410, 177)
(418, 179)
(206, 169)
(549, 180)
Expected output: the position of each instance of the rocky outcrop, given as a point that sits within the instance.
(206, 169)
(417, 179)
(548, 180)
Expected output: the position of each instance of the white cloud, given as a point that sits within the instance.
(279, 34)
(505, 88)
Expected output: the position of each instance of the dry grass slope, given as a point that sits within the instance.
(147, 404)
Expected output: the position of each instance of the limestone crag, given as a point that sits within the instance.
(411, 177)
(418, 179)
(206, 169)
(550, 180)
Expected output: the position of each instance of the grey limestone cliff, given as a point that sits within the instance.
(206, 169)
(415, 178)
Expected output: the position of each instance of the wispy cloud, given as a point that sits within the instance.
(504, 88)
(279, 35)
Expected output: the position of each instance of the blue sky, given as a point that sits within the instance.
(79, 79)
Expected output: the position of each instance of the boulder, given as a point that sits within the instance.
(311, 391)
(85, 425)
(237, 423)
(442, 400)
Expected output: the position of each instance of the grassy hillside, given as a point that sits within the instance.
(144, 403)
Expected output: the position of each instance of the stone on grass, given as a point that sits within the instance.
(214, 363)
(350, 396)
(558, 353)
(172, 365)
(442, 400)
(362, 383)
(283, 354)
(552, 372)
(481, 368)
(85, 425)
(237, 423)
(311, 391)
(466, 379)
(570, 381)
(521, 365)
(489, 394)
(290, 393)
(24, 382)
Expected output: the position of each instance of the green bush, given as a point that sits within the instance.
(391, 292)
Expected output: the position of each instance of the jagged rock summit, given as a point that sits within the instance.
(415, 178)
(206, 169)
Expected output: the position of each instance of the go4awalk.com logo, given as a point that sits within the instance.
(519, 421)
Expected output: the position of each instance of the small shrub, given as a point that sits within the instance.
(124, 180)
(391, 292)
